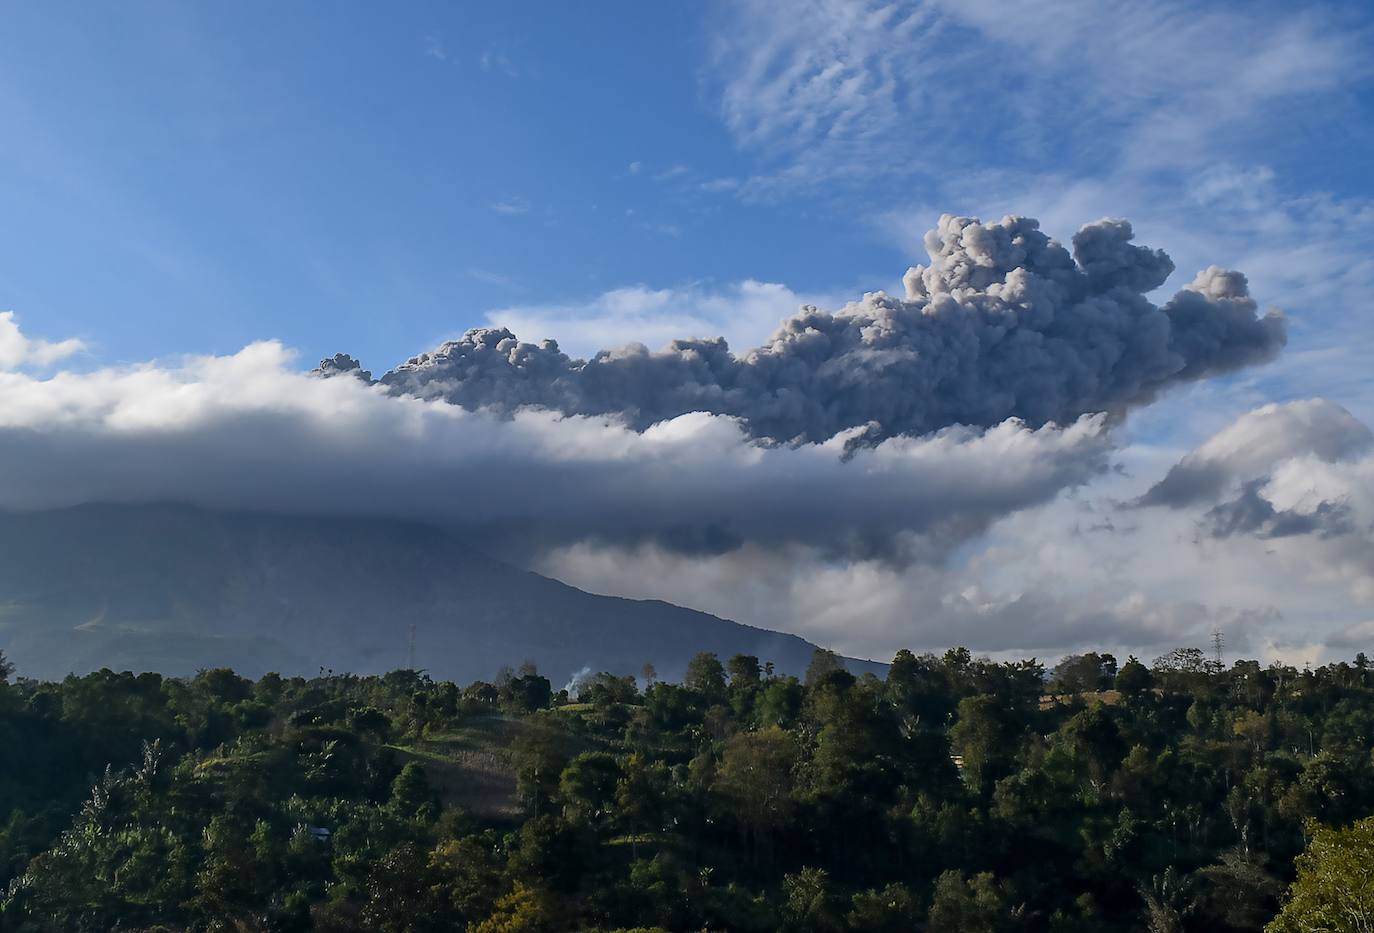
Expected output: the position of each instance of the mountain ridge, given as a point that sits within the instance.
(174, 588)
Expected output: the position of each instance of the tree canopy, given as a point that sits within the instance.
(958, 794)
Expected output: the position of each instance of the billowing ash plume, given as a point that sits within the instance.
(341, 364)
(1004, 323)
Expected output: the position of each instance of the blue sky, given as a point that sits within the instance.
(189, 178)
(195, 178)
(184, 178)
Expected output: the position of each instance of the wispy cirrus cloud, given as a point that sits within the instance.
(511, 206)
(434, 48)
(828, 90)
(1174, 82)
(815, 90)
(493, 278)
(493, 60)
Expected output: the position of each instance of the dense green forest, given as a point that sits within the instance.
(955, 795)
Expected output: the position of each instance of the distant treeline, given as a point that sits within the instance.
(958, 795)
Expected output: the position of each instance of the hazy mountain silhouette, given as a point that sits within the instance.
(174, 588)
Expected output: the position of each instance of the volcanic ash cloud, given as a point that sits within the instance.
(1004, 323)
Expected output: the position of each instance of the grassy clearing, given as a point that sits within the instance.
(1109, 697)
(471, 767)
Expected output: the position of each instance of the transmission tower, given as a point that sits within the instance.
(1218, 643)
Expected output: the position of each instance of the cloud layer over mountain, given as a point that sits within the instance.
(1271, 539)
(249, 431)
(1004, 323)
